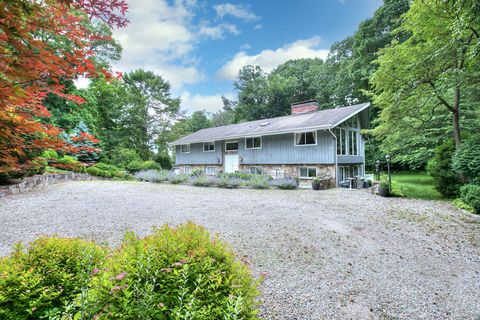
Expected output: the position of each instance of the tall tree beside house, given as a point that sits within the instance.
(148, 110)
(426, 85)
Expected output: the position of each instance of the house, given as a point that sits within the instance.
(305, 144)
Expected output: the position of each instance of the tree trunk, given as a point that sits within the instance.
(456, 118)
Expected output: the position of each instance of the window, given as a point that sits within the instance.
(211, 170)
(307, 172)
(185, 148)
(253, 143)
(346, 172)
(231, 146)
(277, 173)
(353, 143)
(306, 138)
(255, 170)
(341, 141)
(208, 146)
(187, 170)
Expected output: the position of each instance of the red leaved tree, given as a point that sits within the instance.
(42, 44)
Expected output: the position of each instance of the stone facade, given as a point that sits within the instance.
(39, 181)
(203, 167)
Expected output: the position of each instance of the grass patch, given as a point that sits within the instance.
(417, 185)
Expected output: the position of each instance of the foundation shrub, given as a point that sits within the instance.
(228, 182)
(470, 195)
(202, 181)
(259, 181)
(177, 178)
(287, 183)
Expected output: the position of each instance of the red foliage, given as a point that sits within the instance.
(33, 63)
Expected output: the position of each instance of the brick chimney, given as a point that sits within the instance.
(303, 107)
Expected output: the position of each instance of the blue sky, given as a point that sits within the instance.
(199, 46)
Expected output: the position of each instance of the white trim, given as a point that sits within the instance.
(236, 141)
(211, 167)
(253, 143)
(308, 169)
(209, 142)
(189, 147)
(185, 169)
(271, 133)
(336, 157)
(250, 169)
(304, 145)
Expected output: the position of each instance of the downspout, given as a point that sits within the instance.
(335, 155)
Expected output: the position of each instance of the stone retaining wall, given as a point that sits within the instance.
(39, 181)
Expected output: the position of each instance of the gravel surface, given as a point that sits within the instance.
(336, 254)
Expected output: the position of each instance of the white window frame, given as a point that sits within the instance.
(253, 143)
(308, 169)
(277, 173)
(214, 172)
(227, 142)
(210, 143)
(350, 144)
(181, 148)
(305, 145)
(255, 168)
(345, 133)
(187, 169)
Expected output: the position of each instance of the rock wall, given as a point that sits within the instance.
(39, 181)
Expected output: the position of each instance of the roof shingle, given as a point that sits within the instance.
(324, 119)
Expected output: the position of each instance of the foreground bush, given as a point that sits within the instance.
(202, 180)
(470, 195)
(177, 178)
(107, 171)
(137, 165)
(179, 273)
(41, 281)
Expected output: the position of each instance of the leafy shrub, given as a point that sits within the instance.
(466, 159)
(240, 175)
(259, 181)
(179, 273)
(67, 160)
(284, 183)
(177, 178)
(396, 190)
(197, 173)
(94, 171)
(123, 156)
(164, 161)
(42, 280)
(470, 195)
(225, 181)
(105, 167)
(202, 181)
(446, 180)
(462, 205)
(49, 154)
(137, 165)
(151, 175)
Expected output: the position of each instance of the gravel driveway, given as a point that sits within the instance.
(336, 254)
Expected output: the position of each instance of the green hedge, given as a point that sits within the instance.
(176, 273)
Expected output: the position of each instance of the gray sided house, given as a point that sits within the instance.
(305, 144)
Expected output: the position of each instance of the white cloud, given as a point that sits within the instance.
(269, 59)
(217, 32)
(235, 10)
(196, 102)
(258, 27)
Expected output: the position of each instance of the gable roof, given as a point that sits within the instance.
(325, 119)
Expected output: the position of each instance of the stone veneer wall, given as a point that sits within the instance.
(39, 181)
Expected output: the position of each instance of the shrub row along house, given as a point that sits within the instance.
(305, 144)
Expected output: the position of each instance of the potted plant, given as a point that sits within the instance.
(316, 183)
(384, 189)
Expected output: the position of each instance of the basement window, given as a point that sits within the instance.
(307, 172)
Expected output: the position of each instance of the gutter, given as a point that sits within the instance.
(336, 156)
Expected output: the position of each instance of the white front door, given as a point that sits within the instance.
(231, 163)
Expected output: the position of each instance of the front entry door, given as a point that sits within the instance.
(231, 163)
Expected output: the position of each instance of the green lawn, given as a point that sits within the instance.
(417, 185)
